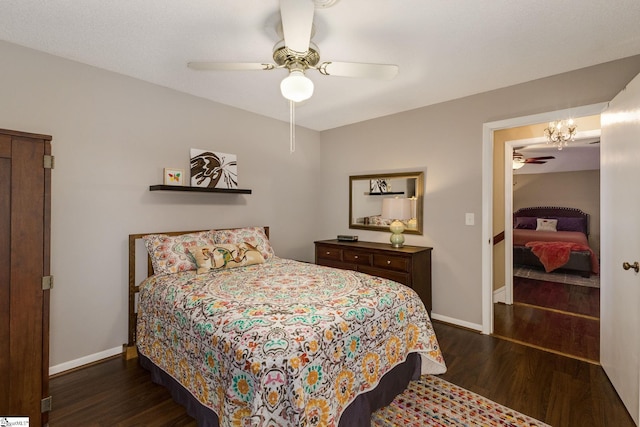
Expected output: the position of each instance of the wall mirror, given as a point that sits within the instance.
(366, 193)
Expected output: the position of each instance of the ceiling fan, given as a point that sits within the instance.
(297, 53)
(519, 160)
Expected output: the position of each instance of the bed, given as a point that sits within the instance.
(553, 238)
(242, 337)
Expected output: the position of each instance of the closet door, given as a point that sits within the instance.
(24, 261)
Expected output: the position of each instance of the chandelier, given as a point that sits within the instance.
(560, 132)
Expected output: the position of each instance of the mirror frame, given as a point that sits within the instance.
(418, 176)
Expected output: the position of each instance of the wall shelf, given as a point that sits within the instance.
(198, 189)
(388, 193)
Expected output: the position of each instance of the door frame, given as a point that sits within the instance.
(508, 201)
(487, 192)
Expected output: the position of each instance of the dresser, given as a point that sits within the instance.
(409, 265)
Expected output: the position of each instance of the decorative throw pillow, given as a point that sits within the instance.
(571, 224)
(170, 254)
(526, 223)
(225, 256)
(545, 224)
(252, 235)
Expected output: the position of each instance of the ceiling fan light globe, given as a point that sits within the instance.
(296, 86)
(517, 164)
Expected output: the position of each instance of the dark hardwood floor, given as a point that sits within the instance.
(558, 296)
(555, 389)
(557, 317)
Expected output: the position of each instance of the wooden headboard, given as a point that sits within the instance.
(133, 286)
(553, 212)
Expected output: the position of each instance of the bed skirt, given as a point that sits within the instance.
(357, 414)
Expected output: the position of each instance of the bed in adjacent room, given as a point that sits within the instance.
(242, 337)
(553, 238)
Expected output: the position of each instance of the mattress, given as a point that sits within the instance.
(522, 237)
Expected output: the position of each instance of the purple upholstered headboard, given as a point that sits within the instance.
(569, 219)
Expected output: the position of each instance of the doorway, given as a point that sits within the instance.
(556, 311)
(488, 190)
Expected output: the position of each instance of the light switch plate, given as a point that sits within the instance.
(469, 219)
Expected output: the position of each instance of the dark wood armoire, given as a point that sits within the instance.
(25, 224)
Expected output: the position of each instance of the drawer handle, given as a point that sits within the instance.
(328, 253)
(355, 257)
(388, 262)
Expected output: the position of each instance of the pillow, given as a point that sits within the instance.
(225, 256)
(546, 224)
(571, 224)
(169, 254)
(526, 222)
(252, 235)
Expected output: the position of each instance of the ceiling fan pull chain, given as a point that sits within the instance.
(292, 127)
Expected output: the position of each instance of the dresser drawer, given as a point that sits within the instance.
(391, 262)
(326, 252)
(337, 264)
(396, 276)
(410, 265)
(357, 257)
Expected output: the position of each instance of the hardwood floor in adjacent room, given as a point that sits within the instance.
(555, 389)
(564, 297)
(558, 317)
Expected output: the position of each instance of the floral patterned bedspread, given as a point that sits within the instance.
(284, 342)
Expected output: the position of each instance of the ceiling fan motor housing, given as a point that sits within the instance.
(283, 56)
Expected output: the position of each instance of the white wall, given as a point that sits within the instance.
(112, 136)
(445, 141)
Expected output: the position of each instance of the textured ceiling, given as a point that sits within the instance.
(445, 49)
(582, 154)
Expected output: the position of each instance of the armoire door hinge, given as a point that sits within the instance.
(45, 404)
(47, 283)
(49, 161)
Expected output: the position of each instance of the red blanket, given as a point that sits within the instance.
(555, 254)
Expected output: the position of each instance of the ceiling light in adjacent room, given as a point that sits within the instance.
(517, 164)
(560, 132)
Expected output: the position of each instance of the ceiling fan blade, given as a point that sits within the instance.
(354, 69)
(535, 162)
(297, 23)
(230, 66)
